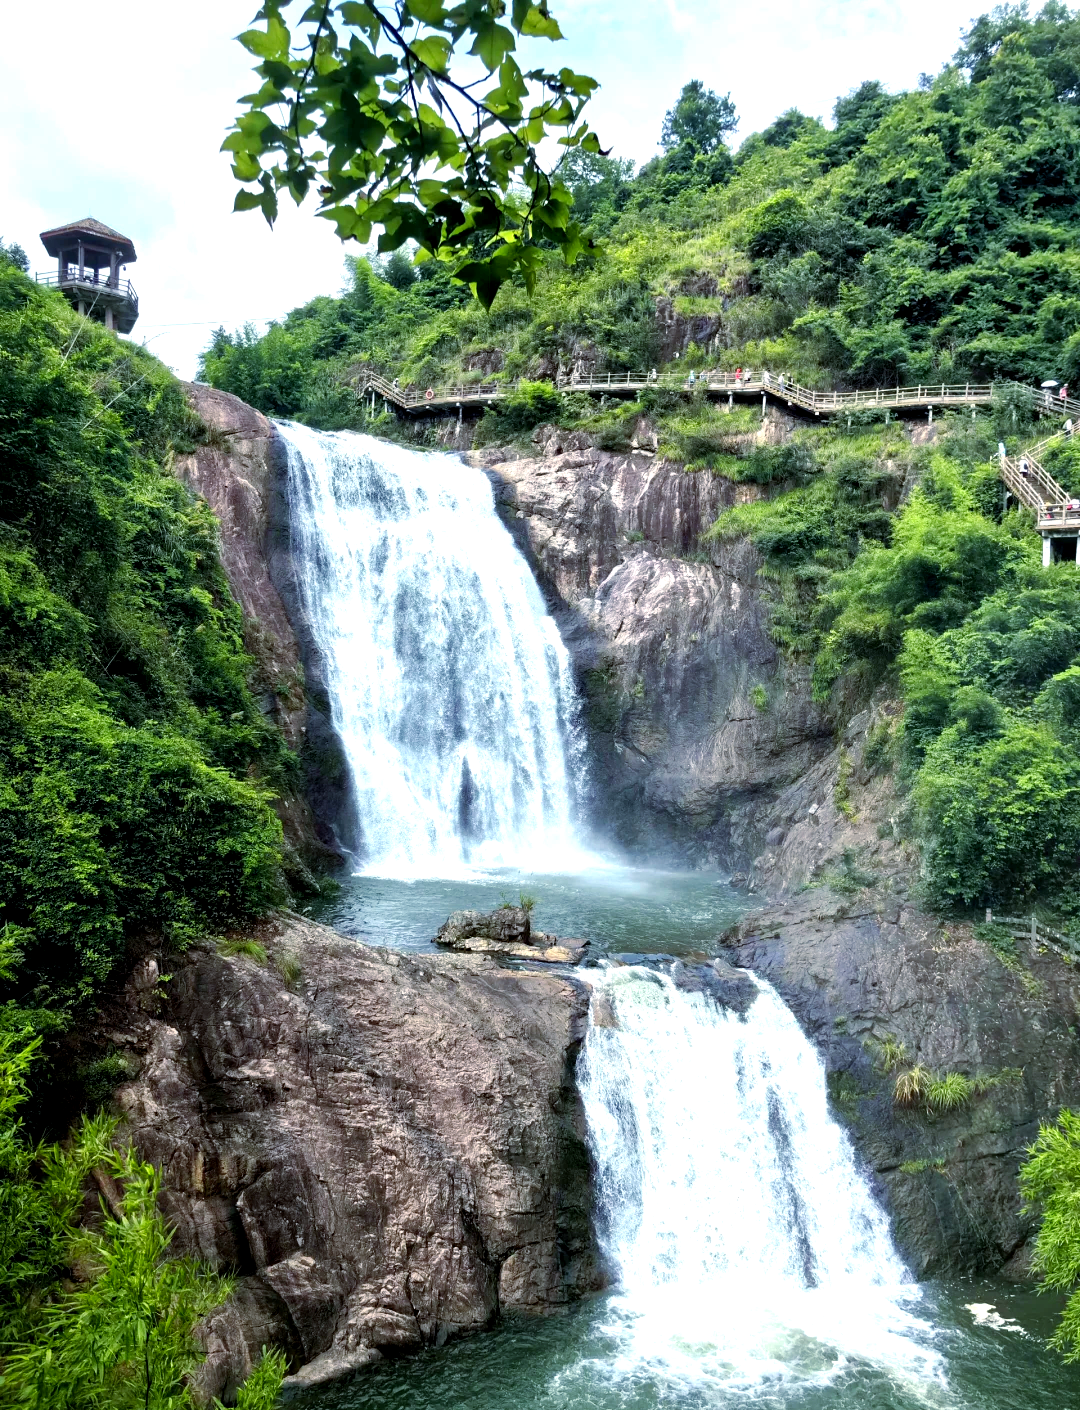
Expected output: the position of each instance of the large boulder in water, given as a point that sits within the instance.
(509, 925)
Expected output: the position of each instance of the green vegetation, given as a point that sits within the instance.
(138, 770)
(382, 122)
(947, 1092)
(928, 236)
(138, 780)
(889, 1052)
(1050, 1183)
(95, 1317)
(920, 1167)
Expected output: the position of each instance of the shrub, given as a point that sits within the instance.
(1002, 817)
(137, 765)
(1050, 1183)
(949, 1092)
(119, 1333)
(890, 1052)
(911, 1087)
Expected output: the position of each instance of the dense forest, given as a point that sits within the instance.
(925, 236)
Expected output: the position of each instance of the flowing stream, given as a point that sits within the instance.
(449, 686)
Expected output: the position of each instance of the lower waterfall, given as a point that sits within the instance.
(449, 686)
(746, 1247)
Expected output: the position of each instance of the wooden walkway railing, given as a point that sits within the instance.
(1032, 484)
(1024, 475)
(1033, 929)
(778, 389)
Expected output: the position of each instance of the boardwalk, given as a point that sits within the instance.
(1057, 515)
(924, 397)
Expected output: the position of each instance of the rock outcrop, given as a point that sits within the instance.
(232, 470)
(388, 1149)
(694, 717)
(238, 471)
(507, 931)
(879, 986)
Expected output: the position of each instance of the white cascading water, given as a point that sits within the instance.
(450, 688)
(747, 1248)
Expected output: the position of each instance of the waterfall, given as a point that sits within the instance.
(746, 1246)
(449, 686)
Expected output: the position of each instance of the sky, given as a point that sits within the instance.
(121, 117)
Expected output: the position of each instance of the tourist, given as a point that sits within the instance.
(781, 384)
(765, 378)
(1024, 466)
(652, 375)
(738, 376)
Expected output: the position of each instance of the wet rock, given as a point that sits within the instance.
(390, 1152)
(727, 986)
(508, 925)
(507, 931)
(669, 635)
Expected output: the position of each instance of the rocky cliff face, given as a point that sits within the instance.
(864, 969)
(241, 472)
(387, 1148)
(669, 636)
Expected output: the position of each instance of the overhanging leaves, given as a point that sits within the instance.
(371, 109)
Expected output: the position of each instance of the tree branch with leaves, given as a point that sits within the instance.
(372, 105)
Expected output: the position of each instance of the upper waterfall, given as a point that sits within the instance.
(449, 685)
(748, 1249)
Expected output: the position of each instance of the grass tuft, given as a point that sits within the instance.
(250, 949)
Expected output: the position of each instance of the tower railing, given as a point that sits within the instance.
(72, 276)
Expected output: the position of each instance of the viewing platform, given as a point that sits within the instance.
(90, 258)
(91, 295)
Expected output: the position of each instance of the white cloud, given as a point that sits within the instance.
(124, 116)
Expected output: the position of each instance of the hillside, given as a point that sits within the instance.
(927, 236)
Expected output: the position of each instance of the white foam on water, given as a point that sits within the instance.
(449, 686)
(748, 1250)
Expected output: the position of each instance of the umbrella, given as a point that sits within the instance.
(1049, 383)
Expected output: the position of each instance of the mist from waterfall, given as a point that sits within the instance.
(747, 1248)
(449, 686)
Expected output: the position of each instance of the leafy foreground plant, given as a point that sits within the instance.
(459, 174)
(118, 1337)
(1050, 1181)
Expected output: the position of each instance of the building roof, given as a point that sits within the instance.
(55, 241)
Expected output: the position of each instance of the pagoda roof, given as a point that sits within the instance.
(55, 241)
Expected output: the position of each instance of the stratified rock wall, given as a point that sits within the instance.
(670, 637)
(390, 1151)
